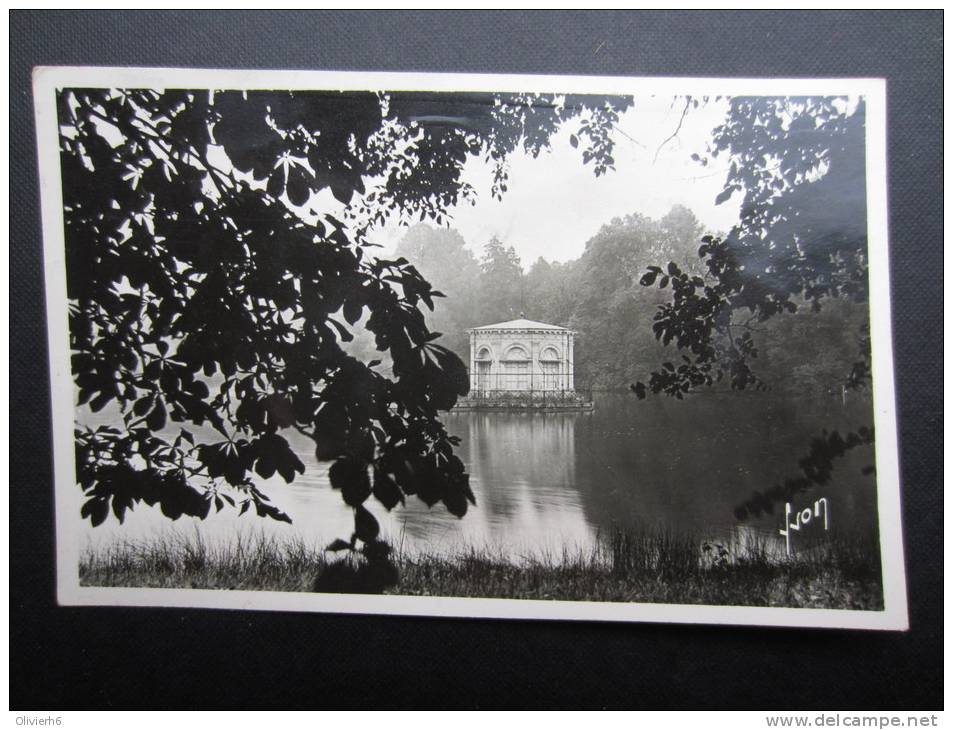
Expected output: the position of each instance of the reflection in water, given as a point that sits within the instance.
(549, 481)
(522, 469)
(685, 467)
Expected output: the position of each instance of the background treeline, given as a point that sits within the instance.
(600, 297)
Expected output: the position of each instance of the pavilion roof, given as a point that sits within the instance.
(521, 324)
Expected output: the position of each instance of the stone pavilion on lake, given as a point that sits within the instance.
(522, 364)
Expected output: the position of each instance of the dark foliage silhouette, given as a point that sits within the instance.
(817, 467)
(208, 286)
(375, 573)
(799, 166)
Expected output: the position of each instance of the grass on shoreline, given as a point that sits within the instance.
(624, 567)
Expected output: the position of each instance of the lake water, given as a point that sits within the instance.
(549, 481)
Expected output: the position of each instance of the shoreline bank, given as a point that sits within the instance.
(625, 567)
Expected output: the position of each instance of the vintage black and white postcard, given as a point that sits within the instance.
(501, 346)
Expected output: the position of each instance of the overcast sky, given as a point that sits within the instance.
(554, 203)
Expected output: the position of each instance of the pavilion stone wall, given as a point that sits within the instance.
(499, 343)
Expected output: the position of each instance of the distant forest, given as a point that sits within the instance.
(599, 296)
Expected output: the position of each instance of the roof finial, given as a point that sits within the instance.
(522, 316)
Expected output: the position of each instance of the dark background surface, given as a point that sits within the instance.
(170, 658)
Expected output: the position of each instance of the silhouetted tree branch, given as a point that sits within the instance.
(205, 289)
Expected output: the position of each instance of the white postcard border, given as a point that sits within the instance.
(68, 499)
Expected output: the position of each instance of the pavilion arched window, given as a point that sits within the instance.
(550, 365)
(484, 361)
(516, 368)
